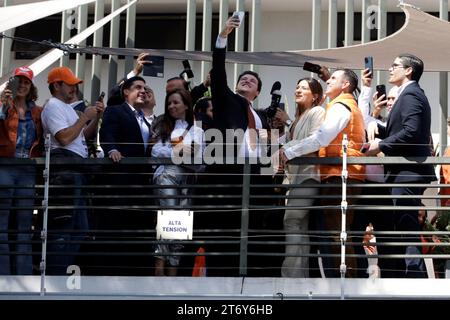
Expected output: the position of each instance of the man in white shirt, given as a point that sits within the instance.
(68, 132)
(342, 117)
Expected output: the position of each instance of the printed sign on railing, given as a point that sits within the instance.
(175, 224)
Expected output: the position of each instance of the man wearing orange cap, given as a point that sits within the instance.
(68, 132)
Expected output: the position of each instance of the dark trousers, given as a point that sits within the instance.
(330, 220)
(407, 220)
(66, 227)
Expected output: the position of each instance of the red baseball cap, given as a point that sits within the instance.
(63, 74)
(24, 72)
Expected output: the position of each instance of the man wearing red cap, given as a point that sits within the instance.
(68, 132)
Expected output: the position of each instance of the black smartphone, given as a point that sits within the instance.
(13, 85)
(156, 68)
(101, 96)
(381, 89)
(365, 147)
(187, 69)
(368, 64)
(311, 67)
(239, 15)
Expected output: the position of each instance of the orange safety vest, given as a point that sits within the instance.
(356, 137)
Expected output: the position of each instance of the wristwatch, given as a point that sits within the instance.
(288, 122)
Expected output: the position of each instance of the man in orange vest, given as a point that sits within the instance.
(342, 117)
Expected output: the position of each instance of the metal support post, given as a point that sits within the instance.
(46, 174)
(343, 267)
(245, 218)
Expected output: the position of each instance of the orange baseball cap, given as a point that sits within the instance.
(24, 72)
(63, 74)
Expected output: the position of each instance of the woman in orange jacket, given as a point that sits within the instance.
(20, 137)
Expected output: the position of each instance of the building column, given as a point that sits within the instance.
(255, 29)
(190, 25)
(332, 23)
(239, 39)
(443, 90)
(349, 22)
(365, 31)
(206, 35)
(68, 22)
(113, 43)
(223, 13)
(81, 58)
(96, 58)
(315, 35)
(6, 46)
(382, 27)
(130, 36)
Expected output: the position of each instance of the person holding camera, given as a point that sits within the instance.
(308, 118)
(21, 136)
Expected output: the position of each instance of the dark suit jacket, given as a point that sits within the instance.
(407, 134)
(120, 130)
(229, 108)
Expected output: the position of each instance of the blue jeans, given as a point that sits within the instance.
(20, 198)
(66, 225)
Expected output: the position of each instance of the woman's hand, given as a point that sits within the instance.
(6, 97)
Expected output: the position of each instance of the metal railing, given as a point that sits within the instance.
(247, 240)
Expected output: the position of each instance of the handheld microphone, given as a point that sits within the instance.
(187, 69)
(276, 97)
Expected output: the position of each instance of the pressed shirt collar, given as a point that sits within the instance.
(403, 86)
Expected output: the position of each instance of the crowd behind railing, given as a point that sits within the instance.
(118, 235)
(262, 206)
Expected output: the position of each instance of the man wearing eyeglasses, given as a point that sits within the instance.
(407, 134)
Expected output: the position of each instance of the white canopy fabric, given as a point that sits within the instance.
(14, 16)
(422, 35)
(41, 63)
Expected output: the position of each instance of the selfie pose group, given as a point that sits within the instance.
(327, 109)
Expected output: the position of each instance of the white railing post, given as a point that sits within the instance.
(343, 237)
(46, 173)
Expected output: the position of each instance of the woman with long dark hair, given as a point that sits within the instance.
(177, 138)
(308, 118)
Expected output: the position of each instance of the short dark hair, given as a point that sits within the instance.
(202, 105)
(185, 84)
(51, 86)
(252, 73)
(413, 62)
(129, 82)
(351, 77)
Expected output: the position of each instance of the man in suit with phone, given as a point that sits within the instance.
(126, 133)
(234, 110)
(407, 134)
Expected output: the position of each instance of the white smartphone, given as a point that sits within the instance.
(239, 15)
